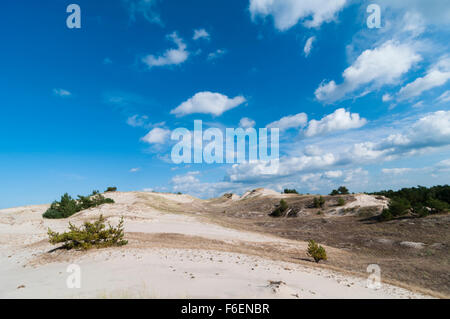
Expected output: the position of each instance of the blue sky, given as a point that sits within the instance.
(83, 109)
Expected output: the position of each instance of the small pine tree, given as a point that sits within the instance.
(316, 251)
(90, 235)
(280, 209)
(319, 202)
(341, 201)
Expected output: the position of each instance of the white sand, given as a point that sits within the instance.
(152, 272)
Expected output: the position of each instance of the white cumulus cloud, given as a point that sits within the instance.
(201, 34)
(61, 92)
(171, 56)
(208, 103)
(246, 122)
(291, 121)
(436, 76)
(156, 136)
(377, 67)
(339, 120)
(308, 46)
(396, 171)
(145, 8)
(287, 13)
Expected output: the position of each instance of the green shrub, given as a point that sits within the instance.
(385, 215)
(280, 209)
(290, 191)
(319, 202)
(90, 235)
(420, 210)
(111, 189)
(316, 251)
(399, 206)
(437, 206)
(341, 201)
(68, 206)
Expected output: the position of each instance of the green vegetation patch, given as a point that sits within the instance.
(68, 206)
(90, 235)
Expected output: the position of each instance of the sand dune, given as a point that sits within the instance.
(169, 255)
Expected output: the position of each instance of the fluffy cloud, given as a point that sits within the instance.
(292, 121)
(337, 121)
(333, 174)
(432, 130)
(436, 76)
(187, 179)
(308, 46)
(135, 170)
(287, 13)
(377, 67)
(208, 103)
(137, 120)
(156, 136)
(445, 97)
(145, 8)
(432, 11)
(190, 183)
(443, 166)
(171, 56)
(386, 97)
(61, 92)
(285, 166)
(246, 122)
(201, 34)
(429, 131)
(216, 54)
(396, 171)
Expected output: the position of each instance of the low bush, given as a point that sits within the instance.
(386, 215)
(280, 209)
(290, 191)
(341, 201)
(316, 251)
(111, 189)
(68, 206)
(319, 202)
(437, 206)
(90, 235)
(399, 206)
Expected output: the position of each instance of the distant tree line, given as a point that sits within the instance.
(420, 201)
(340, 191)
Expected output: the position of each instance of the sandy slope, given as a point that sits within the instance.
(170, 255)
